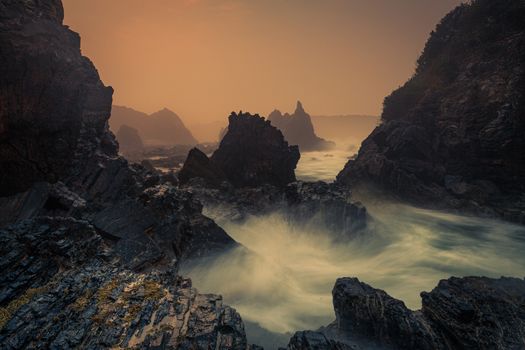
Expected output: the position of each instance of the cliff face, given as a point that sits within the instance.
(460, 313)
(79, 226)
(161, 128)
(252, 153)
(453, 135)
(298, 129)
(46, 86)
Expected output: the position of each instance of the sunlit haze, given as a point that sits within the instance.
(203, 59)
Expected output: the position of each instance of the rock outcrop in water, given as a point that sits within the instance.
(454, 135)
(299, 130)
(252, 153)
(129, 141)
(161, 128)
(460, 313)
(90, 244)
(252, 173)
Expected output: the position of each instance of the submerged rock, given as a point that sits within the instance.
(460, 313)
(453, 136)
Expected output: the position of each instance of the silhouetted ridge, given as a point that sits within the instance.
(160, 128)
(298, 129)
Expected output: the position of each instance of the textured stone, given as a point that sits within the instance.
(453, 136)
(62, 287)
(460, 313)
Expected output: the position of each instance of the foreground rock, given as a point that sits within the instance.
(453, 136)
(78, 223)
(61, 159)
(460, 313)
(62, 287)
(251, 154)
(299, 130)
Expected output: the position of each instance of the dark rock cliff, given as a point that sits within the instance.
(46, 87)
(460, 313)
(453, 135)
(89, 243)
(298, 129)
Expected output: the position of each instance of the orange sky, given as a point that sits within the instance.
(205, 58)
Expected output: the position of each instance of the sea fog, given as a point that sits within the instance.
(280, 281)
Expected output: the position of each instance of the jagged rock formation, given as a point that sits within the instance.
(161, 128)
(149, 221)
(46, 86)
(251, 154)
(252, 173)
(460, 313)
(298, 129)
(130, 143)
(78, 223)
(453, 135)
(62, 287)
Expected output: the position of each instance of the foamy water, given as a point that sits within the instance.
(283, 279)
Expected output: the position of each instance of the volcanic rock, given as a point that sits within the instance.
(299, 130)
(454, 135)
(460, 313)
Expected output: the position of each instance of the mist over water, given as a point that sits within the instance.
(282, 277)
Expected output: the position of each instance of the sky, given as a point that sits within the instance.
(206, 58)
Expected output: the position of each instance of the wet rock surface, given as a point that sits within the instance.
(318, 204)
(63, 287)
(460, 313)
(453, 136)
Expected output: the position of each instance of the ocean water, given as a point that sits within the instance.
(281, 280)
